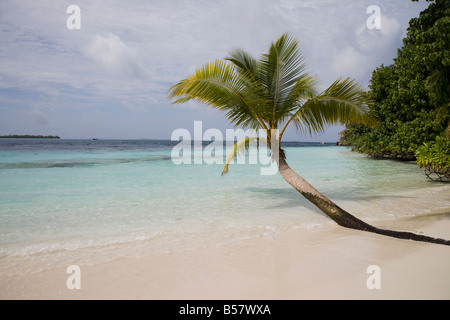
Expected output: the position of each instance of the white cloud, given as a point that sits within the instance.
(368, 49)
(114, 55)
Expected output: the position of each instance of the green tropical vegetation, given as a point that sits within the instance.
(273, 92)
(435, 158)
(412, 97)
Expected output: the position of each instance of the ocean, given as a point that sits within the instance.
(66, 202)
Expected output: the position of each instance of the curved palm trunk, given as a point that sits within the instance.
(340, 216)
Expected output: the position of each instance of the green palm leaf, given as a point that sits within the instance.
(240, 147)
(243, 61)
(220, 86)
(280, 70)
(341, 103)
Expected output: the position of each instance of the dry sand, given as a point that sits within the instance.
(326, 262)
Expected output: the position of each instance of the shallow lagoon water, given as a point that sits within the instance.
(81, 201)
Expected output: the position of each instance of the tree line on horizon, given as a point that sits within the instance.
(411, 99)
(30, 136)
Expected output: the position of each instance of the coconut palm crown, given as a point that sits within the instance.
(273, 92)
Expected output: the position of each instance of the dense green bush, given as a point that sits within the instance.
(434, 157)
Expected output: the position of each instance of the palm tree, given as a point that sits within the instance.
(272, 92)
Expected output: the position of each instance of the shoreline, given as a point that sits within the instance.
(326, 262)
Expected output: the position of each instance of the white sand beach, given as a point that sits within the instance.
(327, 262)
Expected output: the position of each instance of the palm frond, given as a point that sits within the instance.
(240, 147)
(243, 61)
(302, 91)
(220, 86)
(341, 103)
(281, 68)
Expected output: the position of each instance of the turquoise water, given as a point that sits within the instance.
(79, 201)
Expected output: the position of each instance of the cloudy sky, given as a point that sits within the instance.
(109, 79)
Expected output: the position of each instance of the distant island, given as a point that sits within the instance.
(28, 136)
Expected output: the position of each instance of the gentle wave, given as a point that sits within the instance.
(41, 256)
